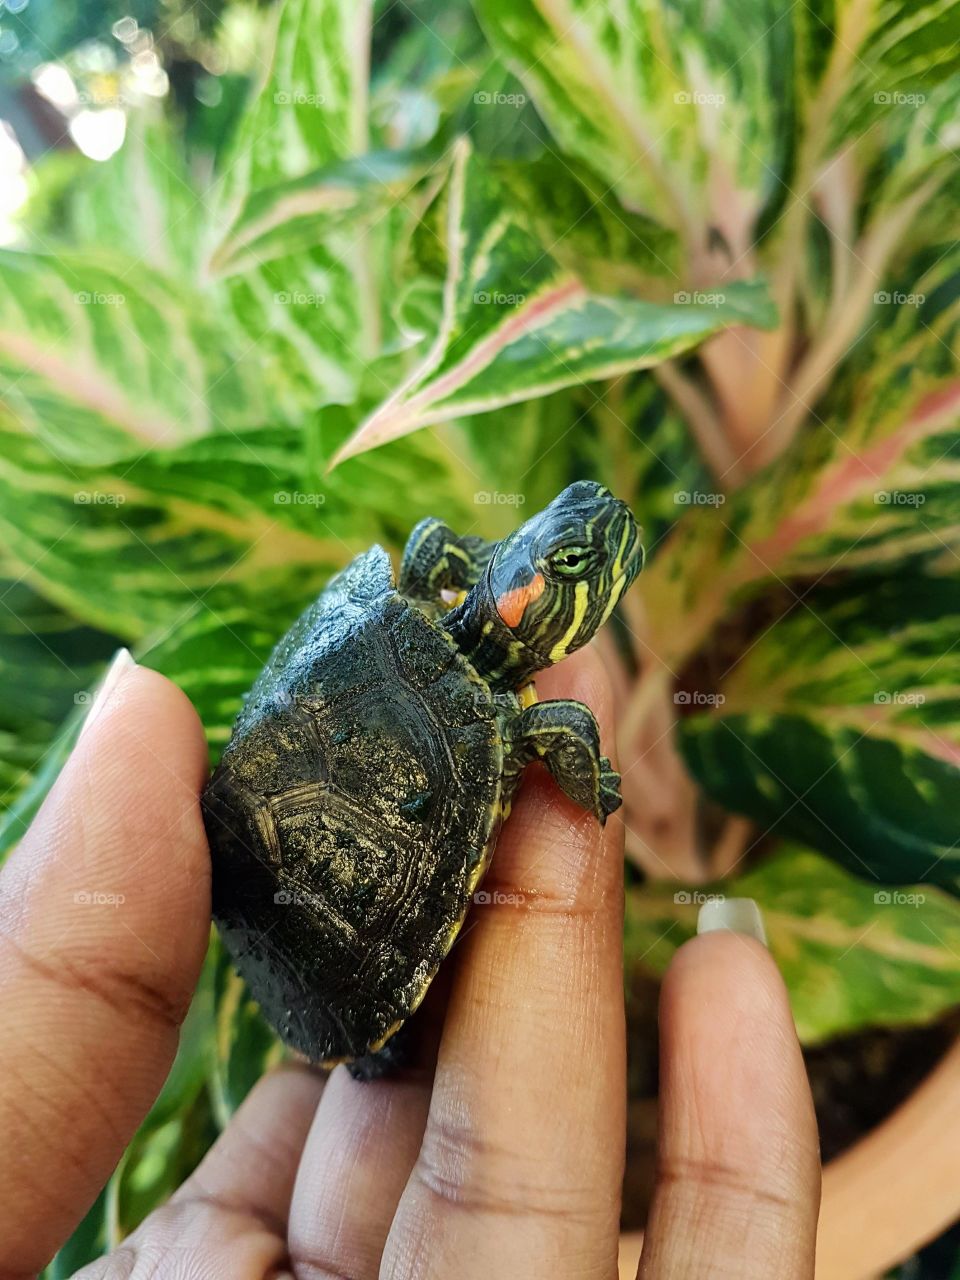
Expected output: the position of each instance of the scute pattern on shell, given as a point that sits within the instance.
(350, 813)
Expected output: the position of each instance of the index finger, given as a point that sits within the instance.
(104, 919)
(521, 1164)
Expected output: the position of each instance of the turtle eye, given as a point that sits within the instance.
(572, 562)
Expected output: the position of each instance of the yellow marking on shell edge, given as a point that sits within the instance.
(581, 600)
(527, 695)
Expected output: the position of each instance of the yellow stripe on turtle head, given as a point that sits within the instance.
(580, 603)
(618, 562)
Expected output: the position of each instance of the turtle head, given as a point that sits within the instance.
(555, 581)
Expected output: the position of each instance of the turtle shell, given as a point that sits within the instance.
(351, 815)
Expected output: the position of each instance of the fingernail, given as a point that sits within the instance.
(737, 915)
(122, 663)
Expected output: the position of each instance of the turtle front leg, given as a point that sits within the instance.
(564, 735)
(440, 567)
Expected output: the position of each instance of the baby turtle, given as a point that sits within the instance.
(357, 804)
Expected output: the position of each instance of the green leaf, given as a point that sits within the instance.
(878, 60)
(311, 108)
(313, 307)
(870, 482)
(852, 955)
(840, 726)
(291, 216)
(49, 663)
(141, 202)
(101, 357)
(671, 105)
(517, 324)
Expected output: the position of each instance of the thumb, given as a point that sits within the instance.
(104, 919)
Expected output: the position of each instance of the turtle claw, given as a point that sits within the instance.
(609, 798)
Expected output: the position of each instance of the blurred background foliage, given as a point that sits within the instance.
(722, 279)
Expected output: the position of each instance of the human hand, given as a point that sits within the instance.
(504, 1162)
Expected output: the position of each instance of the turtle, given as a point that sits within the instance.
(356, 806)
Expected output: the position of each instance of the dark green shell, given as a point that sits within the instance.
(351, 813)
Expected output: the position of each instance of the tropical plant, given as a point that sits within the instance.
(448, 262)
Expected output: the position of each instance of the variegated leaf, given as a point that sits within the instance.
(101, 358)
(871, 482)
(142, 202)
(840, 726)
(312, 306)
(852, 955)
(518, 324)
(676, 107)
(311, 108)
(49, 664)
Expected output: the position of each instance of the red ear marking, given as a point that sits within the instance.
(511, 604)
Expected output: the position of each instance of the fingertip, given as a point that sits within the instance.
(723, 997)
(736, 1128)
(145, 716)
